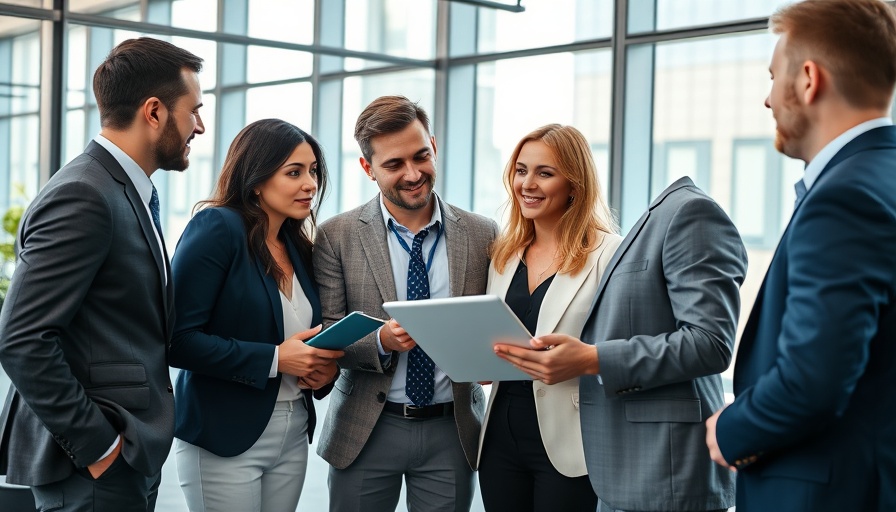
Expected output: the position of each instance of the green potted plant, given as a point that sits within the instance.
(11, 220)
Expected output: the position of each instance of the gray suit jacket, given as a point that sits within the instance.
(84, 329)
(353, 269)
(664, 321)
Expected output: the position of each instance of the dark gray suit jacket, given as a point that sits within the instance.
(84, 329)
(353, 269)
(664, 322)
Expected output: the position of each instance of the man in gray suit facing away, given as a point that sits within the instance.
(661, 330)
(393, 413)
(85, 326)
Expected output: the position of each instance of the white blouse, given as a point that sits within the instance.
(296, 318)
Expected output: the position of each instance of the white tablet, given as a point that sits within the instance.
(458, 333)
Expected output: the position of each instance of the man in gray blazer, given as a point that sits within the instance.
(663, 324)
(90, 416)
(394, 414)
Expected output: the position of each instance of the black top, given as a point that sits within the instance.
(526, 307)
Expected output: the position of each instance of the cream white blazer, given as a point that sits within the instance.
(564, 310)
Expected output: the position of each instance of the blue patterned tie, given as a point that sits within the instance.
(154, 210)
(800, 188)
(420, 383)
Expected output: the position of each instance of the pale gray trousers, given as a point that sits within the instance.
(268, 477)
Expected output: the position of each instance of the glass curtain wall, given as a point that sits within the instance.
(660, 88)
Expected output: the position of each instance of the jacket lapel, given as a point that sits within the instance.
(374, 244)
(456, 241)
(562, 292)
(159, 255)
(273, 293)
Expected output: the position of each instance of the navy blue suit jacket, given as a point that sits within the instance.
(229, 318)
(814, 423)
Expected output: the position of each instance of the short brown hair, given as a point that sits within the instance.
(387, 114)
(136, 70)
(854, 40)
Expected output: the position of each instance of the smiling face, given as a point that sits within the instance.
(172, 150)
(539, 188)
(403, 164)
(790, 116)
(289, 192)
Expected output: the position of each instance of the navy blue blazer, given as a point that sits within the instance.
(814, 423)
(228, 320)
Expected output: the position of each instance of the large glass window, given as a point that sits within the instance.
(544, 24)
(400, 28)
(673, 14)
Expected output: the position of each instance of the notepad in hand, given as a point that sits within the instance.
(343, 333)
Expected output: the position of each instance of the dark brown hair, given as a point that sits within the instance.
(854, 40)
(136, 70)
(386, 114)
(254, 156)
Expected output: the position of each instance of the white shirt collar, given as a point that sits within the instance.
(436, 214)
(139, 178)
(821, 160)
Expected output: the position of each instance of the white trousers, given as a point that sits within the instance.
(268, 477)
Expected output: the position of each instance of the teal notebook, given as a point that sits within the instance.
(343, 333)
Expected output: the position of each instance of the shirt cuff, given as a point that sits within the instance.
(111, 448)
(273, 372)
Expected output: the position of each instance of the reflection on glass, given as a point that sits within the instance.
(544, 24)
(672, 14)
(358, 92)
(509, 104)
(290, 102)
(282, 20)
(401, 28)
(189, 14)
(269, 64)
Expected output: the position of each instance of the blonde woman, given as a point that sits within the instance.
(546, 264)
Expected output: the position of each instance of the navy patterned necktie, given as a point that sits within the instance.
(800, 188)
(154, 210)
(420, 382)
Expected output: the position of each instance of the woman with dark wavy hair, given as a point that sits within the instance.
(246, 300)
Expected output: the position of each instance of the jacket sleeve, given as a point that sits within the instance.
(841, 252)
(59, 258)
(199, 270)
(703, 265)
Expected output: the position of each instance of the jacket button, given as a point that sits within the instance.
(540, 393)
(380, 397)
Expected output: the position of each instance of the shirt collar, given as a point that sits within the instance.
(821, 160)
(436, 215)
(139, 178)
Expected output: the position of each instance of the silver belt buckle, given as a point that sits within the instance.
(408, 408)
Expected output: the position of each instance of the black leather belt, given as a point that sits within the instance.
(414, 412)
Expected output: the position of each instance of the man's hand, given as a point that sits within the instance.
(553, 358)
(99, 467)
(296, 358)
(715, 453)
(394, 338)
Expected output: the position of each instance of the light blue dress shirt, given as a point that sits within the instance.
(439, 287)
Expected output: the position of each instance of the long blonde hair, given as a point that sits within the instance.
(587, 218)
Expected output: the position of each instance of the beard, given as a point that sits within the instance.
(171, 153)
(792, 124)
(395, 197)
